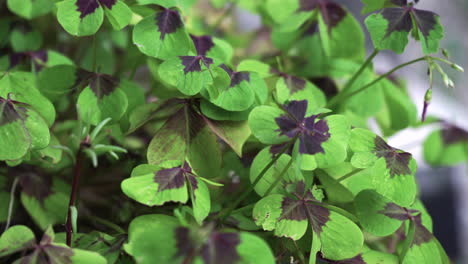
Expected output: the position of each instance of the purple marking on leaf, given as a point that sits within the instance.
(318, 216)
(294, 84)
(311, 133)
(426, 21)
(108, 3)
(173, 178)
(168, 21)
(397, 160)
(11, 113)
(184, 245)
(16, 58)
(293, 209)
(193, 182)
(35, 185)
(39, 58)
(399, 19)
(86, 7)
(421, 234)
(202, 44)
(332, 13)
(327, 85)
(236, 77)
(193, 63)
(453, 134)
(103, 84)
(221, 248)
(395, 211)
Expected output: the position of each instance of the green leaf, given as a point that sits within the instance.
(162, 35)
(30, 9)
(49, 209)
(54, 82)
(335, 191)
(235, 134)
(77, 23)
(25, 40)
(101, 99)
(119, 15)
(392, 170)
(16, 238)
(390, 29)
(290, 176)
(446, 147)
(151, 238)
(291, 88)
(267, 213)
(24, 89)
(144, 188)
(200, 197)
(189, 74)
(377, 214)
(263, 125)
(253, 249)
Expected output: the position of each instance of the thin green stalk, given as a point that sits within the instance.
(353, 79)
(385, 76)
(222, 216)
(346, 176)
(11, 203)
(408, 241)
(279, 178)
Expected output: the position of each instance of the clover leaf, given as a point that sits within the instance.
(290, 217)
(446, 146)
(162, 35)
(85, 17)
(30, 9)
(389, 29)
(161, 238)
(321, 142)
(155, 185)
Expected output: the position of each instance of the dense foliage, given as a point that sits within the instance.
(157, 131)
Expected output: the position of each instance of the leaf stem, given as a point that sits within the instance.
(346, 176)
(408, 241)
(11, 202)
(223, 215)
(381, 77)
(74, 191)
(279, 178)
(350, 82)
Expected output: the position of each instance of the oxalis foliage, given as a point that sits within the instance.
(152, 131)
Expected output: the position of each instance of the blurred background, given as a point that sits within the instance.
(444, 191)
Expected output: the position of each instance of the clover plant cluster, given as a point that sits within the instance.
(156, 131)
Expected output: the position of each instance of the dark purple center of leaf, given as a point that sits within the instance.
(236, 77)
(9, 112)
(168, 21)
(332, 13)
(399, 19)
(395, 211)
(173, 178)
(293, 83)
(39, 58)
(108, 3)
(193, 63)
(103, 84)
(397, 161)
(312, 133)
(202, 44)
(218, 248)
(305, 208)
(221, 248)
(421, 234)
(453, 134)
(86, 7)
(38, 186)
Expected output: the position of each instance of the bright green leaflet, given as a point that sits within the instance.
(30, 9)
(16, 238)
